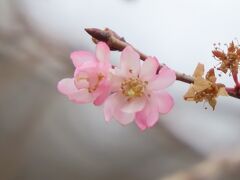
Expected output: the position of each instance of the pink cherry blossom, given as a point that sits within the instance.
(90, 82)
(138, 92)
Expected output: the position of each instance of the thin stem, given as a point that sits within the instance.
(235, 78)
(117, 43)
(230, 90)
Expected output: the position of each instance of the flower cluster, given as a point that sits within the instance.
(228, 60)
(133, 91)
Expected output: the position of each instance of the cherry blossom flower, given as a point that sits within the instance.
(138, 92)
(91, 77)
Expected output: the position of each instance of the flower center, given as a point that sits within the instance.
(133, 87)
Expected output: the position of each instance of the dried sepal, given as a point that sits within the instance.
(212, 102)
(201, 84)
(205, 89)
(222, 92)
(189, 96)
(211, 76)
(199, 70)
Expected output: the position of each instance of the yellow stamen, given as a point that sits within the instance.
(133, 87)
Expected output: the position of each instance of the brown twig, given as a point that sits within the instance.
(117, 43)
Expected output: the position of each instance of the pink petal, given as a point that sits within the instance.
(67, 86)
(116, 82)
(81, 79)
(149, 68)
(134, 105)
(104, 68)
(165, 78)
(86, 68)
(81, 83)
(147, 117)
(81, 96)
(103, 52)
(164, 101)
(109, 106)
(104, 93)
(141, 123)
(123, 118)
(112, 107)
(130, 61)
(79, 57)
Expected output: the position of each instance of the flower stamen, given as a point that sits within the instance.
(133, 87)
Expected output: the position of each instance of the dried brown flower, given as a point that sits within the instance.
(228, 60)
(205, 89)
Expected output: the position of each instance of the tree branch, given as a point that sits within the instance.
(117, 43)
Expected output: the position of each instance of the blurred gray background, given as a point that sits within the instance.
(44, 136)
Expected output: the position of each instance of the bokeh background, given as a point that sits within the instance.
(44, 136)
